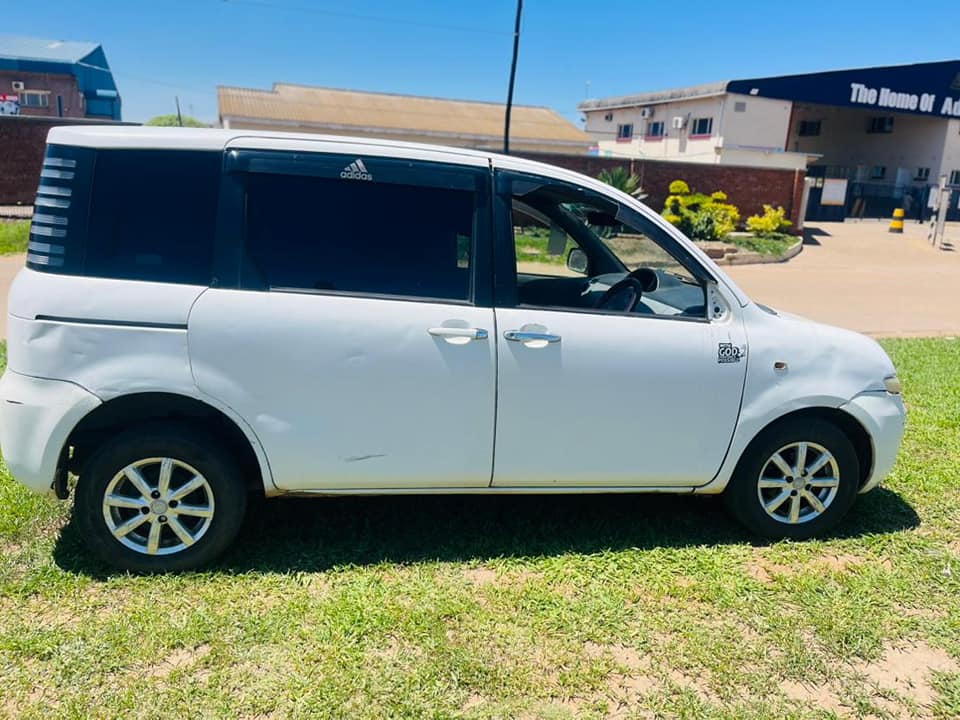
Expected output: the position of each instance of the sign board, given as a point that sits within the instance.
(931, 89)
(9, 104)
(834, 192)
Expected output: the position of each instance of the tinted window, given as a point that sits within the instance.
(311, 233)
(153, 215)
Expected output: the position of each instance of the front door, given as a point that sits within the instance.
(356, 342)
(606, 379)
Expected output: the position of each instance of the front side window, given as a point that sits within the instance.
(606, 257)
(655, 130)
(625, 132)
(319, 234)
(702, 126)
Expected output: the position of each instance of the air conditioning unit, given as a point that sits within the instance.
(679, 122)
(18, 85)
(646, 113)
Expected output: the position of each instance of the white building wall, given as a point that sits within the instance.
(916, 141)
(746, 131)
(755, 123)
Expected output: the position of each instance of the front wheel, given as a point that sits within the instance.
(159, 498)
(796, 480)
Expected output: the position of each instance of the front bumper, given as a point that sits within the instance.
(36, 418)
(883, 416)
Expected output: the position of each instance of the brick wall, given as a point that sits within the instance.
(62, 86)
(748, 188)
(22, 143)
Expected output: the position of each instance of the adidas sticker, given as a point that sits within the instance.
(356, 171)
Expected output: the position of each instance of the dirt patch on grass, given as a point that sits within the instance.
(908, 671)
(481, 576)
(179, 659)
(815, 696)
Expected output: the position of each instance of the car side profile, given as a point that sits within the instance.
(210, 313)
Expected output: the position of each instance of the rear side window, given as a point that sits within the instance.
(324, 234)
(153, 215)
(126, 214)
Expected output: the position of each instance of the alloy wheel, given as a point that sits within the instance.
(158, 506)
(798, 482)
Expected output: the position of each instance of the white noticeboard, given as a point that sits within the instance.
(834, 192)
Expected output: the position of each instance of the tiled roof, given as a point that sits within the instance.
(350, 109)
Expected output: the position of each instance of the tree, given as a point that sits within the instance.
(171, 121)
(623, 180)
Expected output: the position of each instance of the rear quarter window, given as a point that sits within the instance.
(153, 215)
(126, 214)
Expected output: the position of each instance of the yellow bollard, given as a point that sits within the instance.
(896, 224)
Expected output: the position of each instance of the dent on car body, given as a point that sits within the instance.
(819, 367)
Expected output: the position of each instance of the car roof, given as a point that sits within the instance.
(170, 138)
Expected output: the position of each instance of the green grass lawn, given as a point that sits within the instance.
(776, 244)
(556, 607)
(14, 237)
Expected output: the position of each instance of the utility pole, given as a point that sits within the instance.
(179, 118)
(513, 75)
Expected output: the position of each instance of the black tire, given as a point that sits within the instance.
(743, 496)
(185, 444)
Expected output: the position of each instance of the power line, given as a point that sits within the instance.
(368, 18)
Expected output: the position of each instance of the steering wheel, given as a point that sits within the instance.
(625, 295)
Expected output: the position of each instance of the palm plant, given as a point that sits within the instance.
(622, 179)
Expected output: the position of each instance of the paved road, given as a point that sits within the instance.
(9, 266)
(862, 277)
(856, 275)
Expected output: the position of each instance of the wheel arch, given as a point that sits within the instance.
(131, 410)
(844, 421)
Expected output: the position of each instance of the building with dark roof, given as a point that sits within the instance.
(56, 78)
(867, 137)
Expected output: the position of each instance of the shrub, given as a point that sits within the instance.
(772, 222)
(622, 179)
(699, 216)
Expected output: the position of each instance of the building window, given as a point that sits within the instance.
(625, 132)
(955, 177)
(880, 124)
(702, 127)
(740, 106)
(922, 174)
(608, 117)
(654, 130)
(809, 128)
(35, 99)
(878, 172)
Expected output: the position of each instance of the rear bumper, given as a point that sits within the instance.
(36, 418)
(883, 416)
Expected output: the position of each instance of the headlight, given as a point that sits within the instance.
(892, 384)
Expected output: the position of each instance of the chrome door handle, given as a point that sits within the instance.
(455, 332)
(524, 336)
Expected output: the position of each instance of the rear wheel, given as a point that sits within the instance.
(796, 480)
(160, 498)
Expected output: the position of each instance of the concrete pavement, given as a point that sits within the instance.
(860, 276)
(9, 266)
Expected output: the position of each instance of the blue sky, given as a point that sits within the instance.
(162, 48)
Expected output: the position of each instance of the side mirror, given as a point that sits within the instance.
(577, 261)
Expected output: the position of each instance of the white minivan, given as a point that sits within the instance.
(207, 313)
